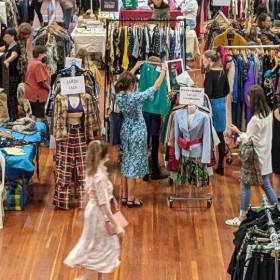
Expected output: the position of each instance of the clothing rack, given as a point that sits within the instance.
(273, 246)
(108, 21)
(175, 196)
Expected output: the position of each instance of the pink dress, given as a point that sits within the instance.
(96, 250)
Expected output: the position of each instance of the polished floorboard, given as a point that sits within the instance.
(187, 242)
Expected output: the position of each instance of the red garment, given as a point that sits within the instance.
(36, 72)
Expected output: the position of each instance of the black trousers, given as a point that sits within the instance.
(153, 123)
(35, 6)
(221, 148)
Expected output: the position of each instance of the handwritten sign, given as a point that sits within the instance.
(190, 95)
(69, 61)
(72, 85)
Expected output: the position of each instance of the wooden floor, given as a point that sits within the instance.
(182, 243)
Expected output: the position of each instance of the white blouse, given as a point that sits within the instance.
(260, 131)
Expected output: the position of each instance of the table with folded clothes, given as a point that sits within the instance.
(19, 152)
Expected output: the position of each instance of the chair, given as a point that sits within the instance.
(2, 185)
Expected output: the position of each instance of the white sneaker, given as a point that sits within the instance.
(233, 222)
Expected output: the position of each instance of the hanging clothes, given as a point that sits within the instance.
(159, 105)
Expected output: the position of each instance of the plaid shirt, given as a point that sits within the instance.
(91, 120)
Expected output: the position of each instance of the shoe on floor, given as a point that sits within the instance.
(147, 178)
(159, 176)
(235, 222)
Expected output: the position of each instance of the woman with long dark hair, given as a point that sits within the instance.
(259, 130)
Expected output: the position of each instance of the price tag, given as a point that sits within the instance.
(69, 61)
(72, 85)
(223, 3)
(190, 95)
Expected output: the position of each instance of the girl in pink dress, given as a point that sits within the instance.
(96, 250)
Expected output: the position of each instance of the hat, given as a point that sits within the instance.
(10, 31)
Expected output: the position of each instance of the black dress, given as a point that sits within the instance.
(276, 144)
(13, 81)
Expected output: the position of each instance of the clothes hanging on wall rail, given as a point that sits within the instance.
(128, 44)
(245, 69)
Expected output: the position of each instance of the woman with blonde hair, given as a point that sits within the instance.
(97, 250)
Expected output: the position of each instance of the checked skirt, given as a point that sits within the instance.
(70, 169)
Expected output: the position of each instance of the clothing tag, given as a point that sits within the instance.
(158, 69)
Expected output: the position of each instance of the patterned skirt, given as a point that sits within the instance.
(192, 171)
(70, 169)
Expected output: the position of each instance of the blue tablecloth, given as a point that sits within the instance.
(35, 138)
(26, 162)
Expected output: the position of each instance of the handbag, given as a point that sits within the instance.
(120, 221)
(250, 168)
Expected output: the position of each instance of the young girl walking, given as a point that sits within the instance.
(97, 250)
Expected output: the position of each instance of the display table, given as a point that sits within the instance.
(143, 14)
(91, 38)
(20, 169)
(25, 162)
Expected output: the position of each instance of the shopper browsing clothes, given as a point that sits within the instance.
(37, 82)
(216, 86)
(266, 35)
(11, 56)
(259, 131)
(134, 147)
(97, 250)
(160, 9)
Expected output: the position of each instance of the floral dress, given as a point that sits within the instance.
(96, 250)
(134, 147)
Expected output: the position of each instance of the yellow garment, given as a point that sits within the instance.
(125, 60)
(222, 40)
(14, 151)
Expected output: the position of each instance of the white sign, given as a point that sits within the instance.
(69, 61)
(72, 85)
(222, 3)
(190, 95)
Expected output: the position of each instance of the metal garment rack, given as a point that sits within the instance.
(140, 20)
(176, 197)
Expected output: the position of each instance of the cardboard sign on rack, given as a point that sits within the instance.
(109, 5)
(72, 85)
(225, 3)
(69, 61)
(190, 95)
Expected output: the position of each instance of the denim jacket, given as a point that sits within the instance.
(199, 130)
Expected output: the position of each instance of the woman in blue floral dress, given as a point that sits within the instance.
(134, 149)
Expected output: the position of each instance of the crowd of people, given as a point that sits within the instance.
(98, 250)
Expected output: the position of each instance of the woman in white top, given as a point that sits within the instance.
(259, 129)
(189, 10)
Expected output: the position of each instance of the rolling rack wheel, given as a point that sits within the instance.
(229, 161)
(169, 202)
(209, 203)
